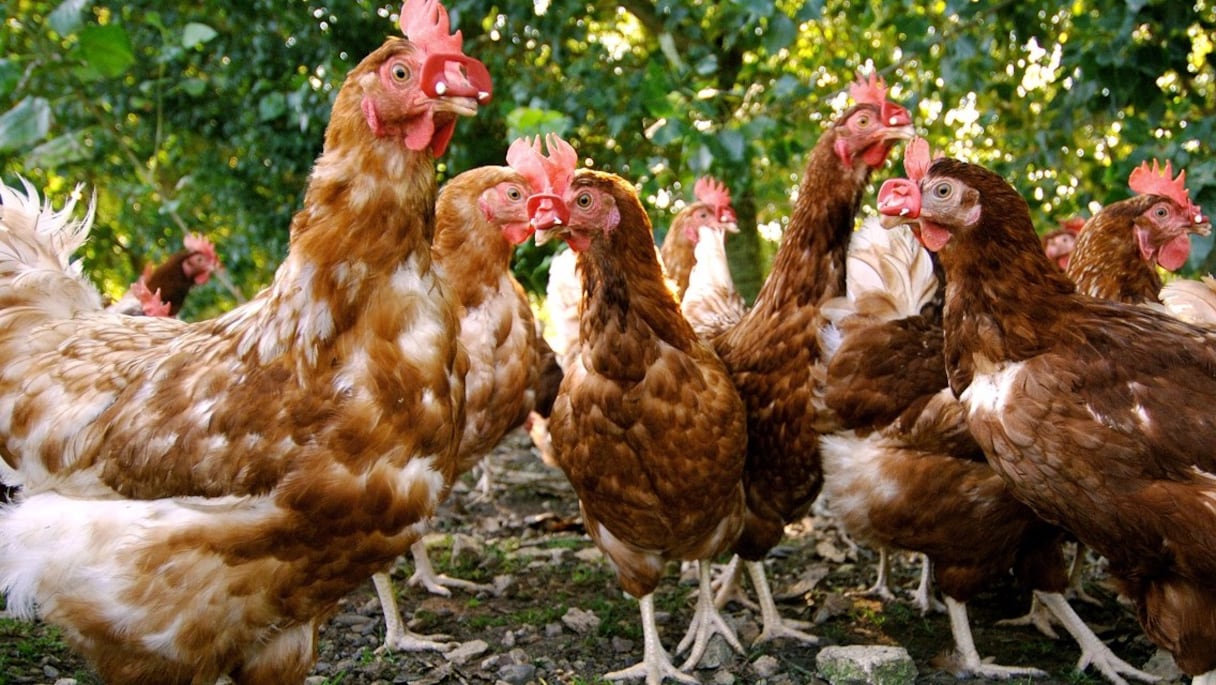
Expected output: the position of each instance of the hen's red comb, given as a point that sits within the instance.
(195, 242)
(548, 174)
(1157, 181)
(425, 23)
(711, 191)
(871, 91)
(916, 159)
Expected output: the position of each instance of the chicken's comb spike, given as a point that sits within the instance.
(1157, 181)
(870, 91)
(425, 23)
(196, 242)
(524, 156)
(712, 192)
(561, 162)
(916, 159)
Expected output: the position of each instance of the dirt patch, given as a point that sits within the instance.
(557, 614)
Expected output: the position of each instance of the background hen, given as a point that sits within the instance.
(198, 497)
(772, 352)
(711, 207)
(172, 280)
(647, 426)
(1085, 408)
(1118, 252)
(481, 215)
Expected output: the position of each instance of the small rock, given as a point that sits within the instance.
(508, 639)
(621, 645)
(580, 621)
(351, 619)
(766, 666)
(866, 665)
(466, 651)
(723, 678)
(1162, 665)
(314, 680)
(66, 681)
(517, 674)
(553, 629)
(589, 554)
(50, 672)
(717, 654)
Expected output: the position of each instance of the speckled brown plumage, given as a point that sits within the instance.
(647, 427)
(198, 497)
(1094, 413)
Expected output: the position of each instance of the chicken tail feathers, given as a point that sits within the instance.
(36, 247)
(890, 275)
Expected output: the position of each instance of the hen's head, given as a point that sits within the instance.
(1165, 216)
(413, 89)
(868, 130)
(201, 259)
(549, 177)
(712, 209)
(946, 198)
(505, 204)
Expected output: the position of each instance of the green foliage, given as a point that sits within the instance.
(208, 117)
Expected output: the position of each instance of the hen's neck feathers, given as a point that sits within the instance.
(1106, 262)
(622, 279)
(1004, 300)
(810, 264)
(459, 223)
(368, 214)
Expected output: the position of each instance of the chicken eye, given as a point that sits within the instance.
(1160, 212)
(942, 190)
(583, 200)
(862, 120)
(514, 194)
(401, 72)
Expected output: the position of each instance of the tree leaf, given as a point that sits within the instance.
(66, 18)
(26, 123)
(195, 34)
(10, 75)
(105, 49)
(57, 152)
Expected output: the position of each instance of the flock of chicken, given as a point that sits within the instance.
(195, 498)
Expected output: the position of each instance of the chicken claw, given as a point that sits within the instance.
(656, 664)
(706, 622)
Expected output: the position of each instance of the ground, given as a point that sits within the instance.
(559, 616)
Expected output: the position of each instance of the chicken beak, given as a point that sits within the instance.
(898, 202)
(453, 75)
(545, 211)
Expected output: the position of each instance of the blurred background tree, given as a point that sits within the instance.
(208, 117)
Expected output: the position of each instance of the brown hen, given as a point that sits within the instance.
(198, 497)
(1085, 408)
(647, 426)
(772, 353)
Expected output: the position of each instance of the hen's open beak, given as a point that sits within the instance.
(547, 211)
(898, 202)
(453, 75)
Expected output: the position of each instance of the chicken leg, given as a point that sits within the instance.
(656, 664)
(968, 658)
(1093, 651)
(437, 583)
(706, 621)
(396, 637)
(774, 625)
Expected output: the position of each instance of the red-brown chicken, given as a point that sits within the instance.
(1092, 412)
(1118, 252)
(710, 208)
(164, 288)
(197, 497)
(904, 471)
(772, 352)
(479, 218)
(647, 426)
